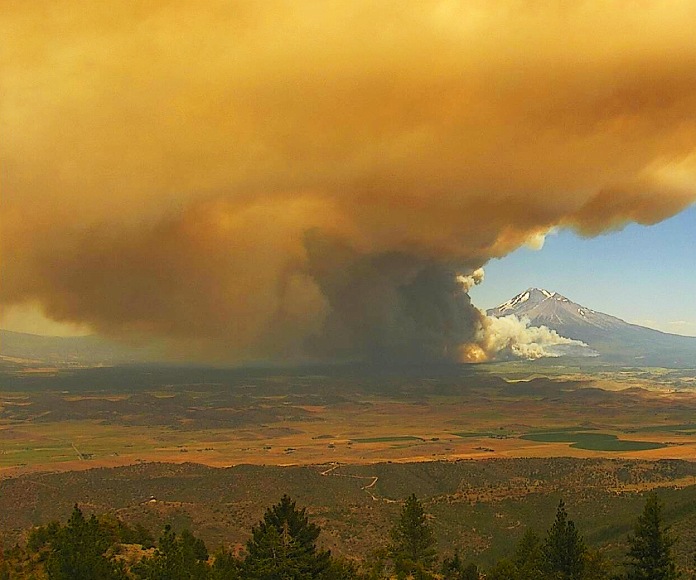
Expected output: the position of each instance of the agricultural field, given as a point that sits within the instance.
(64, 419)
(592, 441)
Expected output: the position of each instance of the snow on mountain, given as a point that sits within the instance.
(553, 309)
(612, 337)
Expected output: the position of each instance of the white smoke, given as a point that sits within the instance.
(515, 336)
(469, 281)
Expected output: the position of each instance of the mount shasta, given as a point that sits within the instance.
(613, 339)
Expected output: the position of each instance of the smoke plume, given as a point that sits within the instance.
(255, 180)
(510, 336)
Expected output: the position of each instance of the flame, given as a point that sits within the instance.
(472, 353)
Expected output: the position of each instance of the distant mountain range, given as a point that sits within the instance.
(78, 350)
(614, 339)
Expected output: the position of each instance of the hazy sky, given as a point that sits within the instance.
(283, 179)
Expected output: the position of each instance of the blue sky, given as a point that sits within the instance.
(643, 274)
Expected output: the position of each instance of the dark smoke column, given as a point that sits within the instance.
(388, 307)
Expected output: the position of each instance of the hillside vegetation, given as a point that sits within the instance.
(479, 507)
(283, 546)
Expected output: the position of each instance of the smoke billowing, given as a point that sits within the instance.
(254, 180)
(510, 336)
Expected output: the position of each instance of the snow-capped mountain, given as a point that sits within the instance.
(612, 337)
(556, 311)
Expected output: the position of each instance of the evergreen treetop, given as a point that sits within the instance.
(78, 551)
(413, 543)
(564, 549)
(283, 545)
(650, 546)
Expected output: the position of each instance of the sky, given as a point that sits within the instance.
(299, 180)
(643, 274)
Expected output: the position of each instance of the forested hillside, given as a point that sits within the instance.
(283, 545)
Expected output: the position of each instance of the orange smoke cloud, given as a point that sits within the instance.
(165, 164)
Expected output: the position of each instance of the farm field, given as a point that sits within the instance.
(84, 418)
(592, 441)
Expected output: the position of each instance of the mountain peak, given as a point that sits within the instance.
(606, 334)
(530, 298)
(546, 306)
(547, 294)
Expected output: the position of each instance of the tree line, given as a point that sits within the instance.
(283, 546)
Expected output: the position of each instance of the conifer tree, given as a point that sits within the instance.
(564, 549)
(504, 569)
(452, 567)
(283, 546)
(41, 537)
(413, 543)
(177, 557)
(78, 551)
(597, 566)
(650, 546)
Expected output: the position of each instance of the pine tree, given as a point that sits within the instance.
(283, 546)
(650, 546)
(78, 551)
(413, 543)
(342, 569)
(452, 567)
(177, 557)
(564, 549)
(43, 536)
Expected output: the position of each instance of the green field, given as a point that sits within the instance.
(591, 441)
